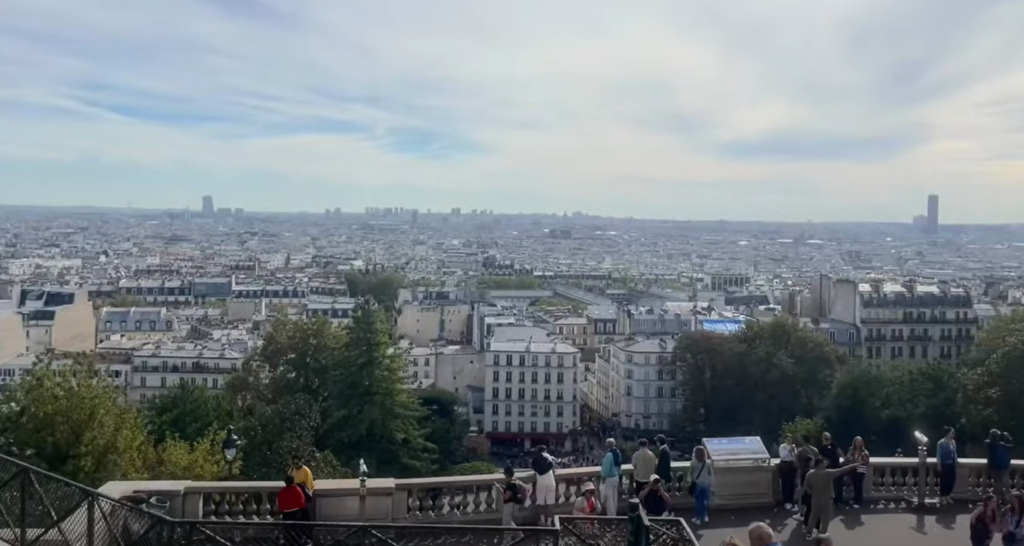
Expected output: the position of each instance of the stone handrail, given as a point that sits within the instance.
(470, 499)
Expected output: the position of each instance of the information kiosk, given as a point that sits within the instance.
(743, 470)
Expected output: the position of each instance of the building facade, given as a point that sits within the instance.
(531, 392)
(157, 369)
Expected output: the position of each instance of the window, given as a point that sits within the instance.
(547, 360)
(533, 377)
(415, 375)
(216, 382)
(508, 393)
(508, 410)
(426, 361)
(560, 378)
(660, 392)
(138, 325)
(152, 325)
(494, 425)
(851, 336)
(496, 376)
(416, 363)
(205, 383)
(547, 378)
(142, 381)
(558, 394)
(508, 360)
(106, 325)
(521, 410)
(497, 359)
(832, 336)
(522, 394)
(533, 426)
(163, 381)
(522, 377)
(519, 426)
(522, 360)
(495, 392)
(629, 390)
(547, 426)
(533, 360)
(533, 394)
(561, 360)
(547, 394)
(924, 352)
(911, 351)
(508, 426)
(559, 411)
(508, 377)
(124, 325)
(547, 410)
(494, 409)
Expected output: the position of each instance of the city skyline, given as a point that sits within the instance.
(850, 111)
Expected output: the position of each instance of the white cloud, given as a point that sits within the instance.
(852, 109)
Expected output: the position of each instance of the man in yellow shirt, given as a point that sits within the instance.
(304, 479)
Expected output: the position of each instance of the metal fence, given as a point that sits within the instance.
(40, 508)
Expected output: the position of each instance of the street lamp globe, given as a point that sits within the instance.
(230, 445)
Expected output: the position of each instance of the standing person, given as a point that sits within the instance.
(858, 454)
(664, 459)
(985, 521)
(304, 479)
(946, 453)
(806, 454)
(513, 493)
(998, 462)
(611, 470)
(787, 471)
(833, 457)
(654, 498)
(760, 534)
(702, 481)
(819, 483)
(645, 464)
(291, 503)
(587, 505)
(543, 466)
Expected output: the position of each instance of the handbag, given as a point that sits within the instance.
(692, 488)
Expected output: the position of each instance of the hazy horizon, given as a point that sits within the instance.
(831, 112)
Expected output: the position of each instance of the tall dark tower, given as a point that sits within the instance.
(933, 214)
(208, 205)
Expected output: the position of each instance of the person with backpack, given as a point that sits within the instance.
(513, 493)
(546, 489)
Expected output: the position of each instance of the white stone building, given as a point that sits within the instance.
(634, 384)
(158, 368)
(531, 392)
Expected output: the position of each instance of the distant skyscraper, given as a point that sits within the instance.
(933, 213)
(208, 209)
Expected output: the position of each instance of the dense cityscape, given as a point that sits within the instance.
(503, 331)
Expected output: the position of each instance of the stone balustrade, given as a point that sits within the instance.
(474, 499)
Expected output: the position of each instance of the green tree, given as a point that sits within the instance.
(446, 426)
(188, 413)
(202, 460)
(472, 469)
(802, 427)
(778, 369)
(886, 404)
(279, 397)
(992, 380)
(73, 421)
(373, 415)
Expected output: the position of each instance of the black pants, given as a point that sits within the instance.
(805, 500)
(638, 487)
(787, 475)
(837, 490)
(857, 478)
(296, 534)
(947, 479)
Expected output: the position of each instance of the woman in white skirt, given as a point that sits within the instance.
(545, 489)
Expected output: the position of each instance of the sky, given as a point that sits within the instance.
(686, 109)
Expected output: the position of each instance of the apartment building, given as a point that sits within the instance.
(634, 384)
(137, 323)
(426, 322)
(39, 320)
(916, 322)
(163, 291)
(531, 392)
(337, 312)
(14, 369)
(158, 368)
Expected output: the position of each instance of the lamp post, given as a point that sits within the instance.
(230, 447)
(363, 474)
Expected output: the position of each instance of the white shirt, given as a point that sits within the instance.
(787, 452)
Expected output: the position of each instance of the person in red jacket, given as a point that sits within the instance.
(291, 501)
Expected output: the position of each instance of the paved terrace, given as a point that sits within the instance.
(743, 494)
(878, 525)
